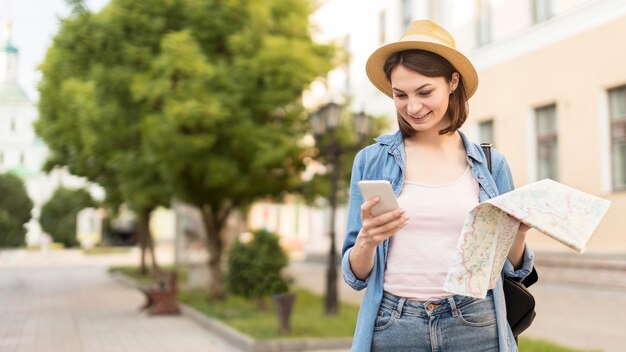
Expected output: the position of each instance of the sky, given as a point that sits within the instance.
(35, 22)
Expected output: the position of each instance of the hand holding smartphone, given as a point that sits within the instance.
(382, 189)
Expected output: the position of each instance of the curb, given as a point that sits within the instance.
(123, 279)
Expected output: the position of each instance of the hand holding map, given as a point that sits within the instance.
(561, 212)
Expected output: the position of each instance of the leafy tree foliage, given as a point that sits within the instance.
(88, 117)
(58, 215)
(254, 267)
(15, 208)
(196, 99)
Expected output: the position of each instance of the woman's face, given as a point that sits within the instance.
(422, 101)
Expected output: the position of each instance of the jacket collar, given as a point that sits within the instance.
(391, 140)
(473, 150)
(395, 140)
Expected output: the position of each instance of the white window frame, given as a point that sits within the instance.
(406, 14)
(531, 142)
(493, 131)
(537, 141)
(606, 170)
(541, 10)
(622, 124)
(382, 27)
(484, 25)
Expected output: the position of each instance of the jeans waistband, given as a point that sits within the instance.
(402, 305)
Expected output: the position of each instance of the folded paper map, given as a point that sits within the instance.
(561, 212)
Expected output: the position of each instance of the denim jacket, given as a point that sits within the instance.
(384, 160)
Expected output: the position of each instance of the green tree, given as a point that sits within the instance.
(58, 215)
(15, 208)
(88, 117)
(200, 98)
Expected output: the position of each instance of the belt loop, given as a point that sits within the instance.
(455, 311)
(399, 307)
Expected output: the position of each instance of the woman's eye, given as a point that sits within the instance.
(425, 94)
(398, 95)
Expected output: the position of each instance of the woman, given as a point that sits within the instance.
(438, 176)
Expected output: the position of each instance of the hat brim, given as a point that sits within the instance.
(375, 64)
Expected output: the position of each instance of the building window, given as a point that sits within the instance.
(547, 143)
(382, 27)
(542, 10)
(483, 22)
(21, 158)
(485, 131)
(406, 14)
(13, 125)
(617, 110)
(436, 10)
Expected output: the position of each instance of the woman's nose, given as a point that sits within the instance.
(414, 106)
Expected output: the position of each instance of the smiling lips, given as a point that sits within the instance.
(419, 117)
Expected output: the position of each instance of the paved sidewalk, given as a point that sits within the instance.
(73, 304)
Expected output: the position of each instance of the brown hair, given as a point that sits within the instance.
(431, 65)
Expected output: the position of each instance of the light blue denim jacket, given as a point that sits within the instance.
(385, 161)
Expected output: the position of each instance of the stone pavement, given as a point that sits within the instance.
(67, 302)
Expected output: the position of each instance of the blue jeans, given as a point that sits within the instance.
(456, 323)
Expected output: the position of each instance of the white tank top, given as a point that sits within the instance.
(420, 254)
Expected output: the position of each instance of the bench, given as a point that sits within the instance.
(161, 297)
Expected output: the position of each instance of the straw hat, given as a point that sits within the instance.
(423, 35)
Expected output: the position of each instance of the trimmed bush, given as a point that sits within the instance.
(58, 215)
(15, 208)
(254, 267)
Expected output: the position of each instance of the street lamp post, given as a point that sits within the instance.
(324, 123)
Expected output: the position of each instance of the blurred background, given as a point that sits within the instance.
(174, 129)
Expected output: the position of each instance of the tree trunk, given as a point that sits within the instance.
(145, 240)
(141, 236)
(214, 221)
(150, 241)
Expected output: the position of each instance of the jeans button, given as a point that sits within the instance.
(430, 307)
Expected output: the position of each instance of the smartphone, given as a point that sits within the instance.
(372, 188)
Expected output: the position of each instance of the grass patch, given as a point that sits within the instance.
(106, 250)
(537, 345)
(307, 320)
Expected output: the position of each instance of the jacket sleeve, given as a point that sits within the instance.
(353, 223)
(504, 183)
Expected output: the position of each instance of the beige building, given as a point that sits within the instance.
(553, 96)
(552, 92)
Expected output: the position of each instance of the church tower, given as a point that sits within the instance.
(8, 55)
(21, 152)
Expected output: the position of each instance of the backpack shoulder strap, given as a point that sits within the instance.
(487, 150)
